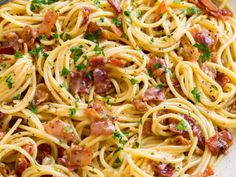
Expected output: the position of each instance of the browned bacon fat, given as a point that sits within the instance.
(41, 95)
(96, 62)
(154, 95)
(2, 134)
(44, 150)
(157, 66)
(102, 82)
(220, 142)
(76, 157)
(163, 170)
(117, 62)
(86, 12)
(102, 128)
(206, 38)
(140, 105)
(115, 5)
(48, 23)
(60, 129)
(147, 127)
(222, 79)
(29, 36)
(79, 82)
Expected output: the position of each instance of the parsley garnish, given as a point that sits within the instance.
(42, 37)
(150, 73)
(158, 65)
(191, 11)
(89, 74)
(18, 55)
(9, 81)
(67, 129)
(38, 4)
(33, 107)
(196, 93)
(55, 36)
(177, 1)
(127, 13)
(133, 81)
(77, 53)
(65, 71)
(72, 112)
(96, 3)
(36, 51)
(137, 145)
(101, 19)
(68, 36)
(181, 126)
(117, 22)
(80, 66)
(89, 36)
(98, 50)
(207, 53)
(139, 14)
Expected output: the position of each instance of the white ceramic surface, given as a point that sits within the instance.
(227, 166)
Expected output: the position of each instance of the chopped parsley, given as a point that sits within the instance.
(181, 126)
(177, 1)
(207, 53)
(127, 13)
(101, 19)
(67, 129)
(55, 36)
(38, 4)
(158, 65)
(98, 50)
(196, 93)
(42, 37)
(150, 73)
(37, 50)
(9, 81)
(77, 53)
(68, 36)
(89, 74)
(151, 40)
(133, 81)
(191, 11)
(33, 107)
(137, 145)
(117, 22)
(65, 71)
(18, 55)
(80, 66)
(96, 3)
(116, 135)
(89, 36)
(72, 112)
(139, 14)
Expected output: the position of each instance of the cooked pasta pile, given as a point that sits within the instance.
(116, 88)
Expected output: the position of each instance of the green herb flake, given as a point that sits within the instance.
(37, 50)
(139, 14)
(72, 112)
(96, 3)
(80, 66)
(89, 74)
(55, 36)
(89, 36)
(33, 107)
(191, 11)
(133, 81)
(18, 55)
(43, 37)
(158, 65)
(137, 145)
(127, 13)
(207, 53)
(67, 129)
(101, 19)
(9, 81)
(117, 22)
(98, 50)
(197, 94)
(150, 73)
(65, 71)
(181, 126)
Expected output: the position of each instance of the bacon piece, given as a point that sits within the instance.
(220, 142)
(157, 66)
(162, 9)
(96, 62)
(21, 161)
(102, 82)
(29, 36)
(99, 112)
(48, 23)
(41, 95)
(147, 127)
(163, 170)
(117, 62)
(76, 157)
(197, 131)
(115, 5)
(210, 71)
(189, 53)
(2, 115)
(79, 82)
(182, 140)
(7, 50)
(60, 129)
(140, 105)
(206, 38)
(208, 172)
(102, 128)
(86, 13)
(44, 150)
(232, 108)
(95, 30)
(154, 95)
(11, 44)
(222, 79)
(2, 134)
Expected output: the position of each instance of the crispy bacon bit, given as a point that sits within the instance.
(21, 161)
(212, 9)
(206, 38)
(222, 79)
(76, 157)
(79, 82)
(208, 172)
(86, 12)
(102, 82)
(96, 62)
(162, 9)
(60, 129)
(44, 150)
(154, 95)
(197, 131)
(140, 105)
(2, 115)
(147, 127)
(163, 170)
(220, 142)
(115, 5)
(29, 35)
(189, 53)
(95, 30)
(232, 108)
(210, 71)
(182, 141)
(41, 95)
(48, 23)
(11, 44)
(117, 62)
(2, 134)
(157, 66)
(99, 112)
(102, 128)
(6, 50)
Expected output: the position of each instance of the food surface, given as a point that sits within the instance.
(121, 88)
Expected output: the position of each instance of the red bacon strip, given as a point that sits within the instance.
(102, 82)
(115, 5)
